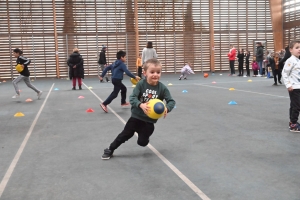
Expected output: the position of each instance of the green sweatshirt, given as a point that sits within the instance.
(143, 92)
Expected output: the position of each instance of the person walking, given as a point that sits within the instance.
(102, 62)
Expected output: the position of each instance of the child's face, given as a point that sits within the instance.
(153, 74)
(15, 54)
(123, 59)
(295, 50)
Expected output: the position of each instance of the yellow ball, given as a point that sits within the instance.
(157, 108)
(133, 81)
(19, 68)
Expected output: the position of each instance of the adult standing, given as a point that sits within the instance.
(231, 56)
(148, 53)
(102, 62)
(260, 57)
(76, 72)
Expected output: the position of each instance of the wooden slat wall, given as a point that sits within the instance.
(291, 10)
(179, 30)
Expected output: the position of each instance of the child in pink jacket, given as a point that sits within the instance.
(255, 67)
(185, 71)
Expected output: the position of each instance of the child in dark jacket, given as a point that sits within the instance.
(117, 69)
(24, 74)
(240, 57)
(146, 89)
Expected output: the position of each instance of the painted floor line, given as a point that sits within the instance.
(244, 91)
(13, 164)
(165, 160)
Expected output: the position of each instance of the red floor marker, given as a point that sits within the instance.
(81, 97)
(89, 110)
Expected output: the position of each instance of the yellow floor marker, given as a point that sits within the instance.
(249, 80)
(231, 88)
(170, 84)
(19, 114)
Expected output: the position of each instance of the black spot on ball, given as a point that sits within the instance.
(159, 108)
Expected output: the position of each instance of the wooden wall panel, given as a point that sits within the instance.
(179, 29)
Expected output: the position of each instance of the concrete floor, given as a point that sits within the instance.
(234, 152)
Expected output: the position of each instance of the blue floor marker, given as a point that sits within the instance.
(232, 103)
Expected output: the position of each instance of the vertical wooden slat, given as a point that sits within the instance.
(277, 23)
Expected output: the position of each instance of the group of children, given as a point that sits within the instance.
(151, 88)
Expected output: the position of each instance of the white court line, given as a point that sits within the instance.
(243, 91)
(166, 161)
(13, 164)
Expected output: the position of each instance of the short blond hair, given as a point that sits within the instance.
(76, 50)
(152, 61)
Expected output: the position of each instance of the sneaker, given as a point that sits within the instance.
(125, 104)
(73, 88)
(280, 82)
(295, 128)
(80, 87)
(185, 78)
(101, 81)
(15, 96)
(104, 107)
(40, 94)
(275, 84)
(179, 79)
(107, 154)
(291, 123)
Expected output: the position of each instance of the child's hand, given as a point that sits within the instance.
(166, 112)
(100, 78)
(145, 107)
(290, 89)
(137, 78)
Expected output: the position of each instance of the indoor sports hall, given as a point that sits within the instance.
(227, 138)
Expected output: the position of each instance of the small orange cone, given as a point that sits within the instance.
(28, 100)
(89, 110)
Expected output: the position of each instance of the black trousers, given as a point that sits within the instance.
(241, 70)
(277, 74)
(231, 64)
(118, 85)
(140, 71)
(247, 69)
(144, 130)
(294, 105)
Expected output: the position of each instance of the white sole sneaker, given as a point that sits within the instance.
(40, 94)
(15, 96)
